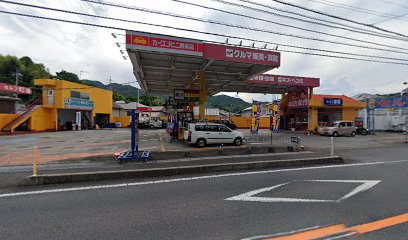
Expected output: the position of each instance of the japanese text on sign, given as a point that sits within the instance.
(298, 99)
(332, 102)
(14, 89)
(250, 55)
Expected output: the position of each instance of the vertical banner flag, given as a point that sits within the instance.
(256, 117)
(275, 117)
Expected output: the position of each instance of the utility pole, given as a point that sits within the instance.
(17, 75)
(109, 82)
(138, 96)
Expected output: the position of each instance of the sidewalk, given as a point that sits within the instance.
(13, 175)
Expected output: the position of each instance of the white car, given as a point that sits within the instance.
(210, 133)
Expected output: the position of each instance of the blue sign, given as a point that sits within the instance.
(336, 102)
(78, 104)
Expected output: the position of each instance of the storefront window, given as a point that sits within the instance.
(329, 115)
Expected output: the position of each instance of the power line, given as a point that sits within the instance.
(346, 27)
(216, 34)
(388, 19)
(213, 34)
(268, 21)
(354, 8)
(335, 17)
(253, 29)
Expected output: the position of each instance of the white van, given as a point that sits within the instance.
(210, 133)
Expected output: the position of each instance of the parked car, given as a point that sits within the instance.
(227, 123)
(202, 134)
(339, 128)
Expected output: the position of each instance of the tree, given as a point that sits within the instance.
(68, 76)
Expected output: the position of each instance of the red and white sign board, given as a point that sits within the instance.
(298, 99)
(270, 79)
(241, 54)
(14, 89)
(163, 43)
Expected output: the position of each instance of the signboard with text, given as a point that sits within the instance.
(78, 104)
(185, 96)
(271, 79)
(275, 118)
(333, 102)
(395, 102)
(255, 118)
(298, 99)
(241, 54)
(163, 43)
(4, 87)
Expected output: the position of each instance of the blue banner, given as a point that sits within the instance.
(78, 104)
(333, 102)
(394, 102)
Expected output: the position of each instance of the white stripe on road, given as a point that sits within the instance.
(280, 234)
(341, 236)
(189, 179)
(249, 196)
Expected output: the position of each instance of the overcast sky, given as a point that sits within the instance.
(93, 50)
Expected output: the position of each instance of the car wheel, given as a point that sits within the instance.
(200, 142)
(353, 133)
(335, 134)
(238, 141)
(364, 132)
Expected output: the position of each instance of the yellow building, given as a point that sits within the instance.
(317, 110)
(64, 105)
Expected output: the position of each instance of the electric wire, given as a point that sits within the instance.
(241, 26)
(335, 17)
(220, 35)
(323, 22)
(158, 25)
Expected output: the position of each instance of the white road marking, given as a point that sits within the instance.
(191, 178)
(280, 234)
(341, 236)
(249, 196)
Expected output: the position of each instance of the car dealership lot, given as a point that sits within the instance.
(60, 146)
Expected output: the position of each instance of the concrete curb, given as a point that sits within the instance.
(173, 171)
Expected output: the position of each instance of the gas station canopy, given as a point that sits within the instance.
(163, 63)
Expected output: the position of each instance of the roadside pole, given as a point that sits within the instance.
(406, 129)
(332, 146)
(35, 160)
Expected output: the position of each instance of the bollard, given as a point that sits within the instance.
(332, 146)
(35, 160)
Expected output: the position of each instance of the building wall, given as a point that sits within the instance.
(6, 118)
(43, 119)
(62, 89)
(350, 114)
(313, 119)
(124, 120)
(245, 122)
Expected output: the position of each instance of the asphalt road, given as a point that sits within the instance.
(233, 205)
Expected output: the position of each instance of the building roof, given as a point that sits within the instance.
(322, 96)
(132, 105)
(115, 105)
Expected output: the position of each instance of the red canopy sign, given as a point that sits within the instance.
(162, 43)
(284, 80)
(241, 54)
(14, 89)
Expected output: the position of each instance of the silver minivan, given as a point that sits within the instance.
(339, 128)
